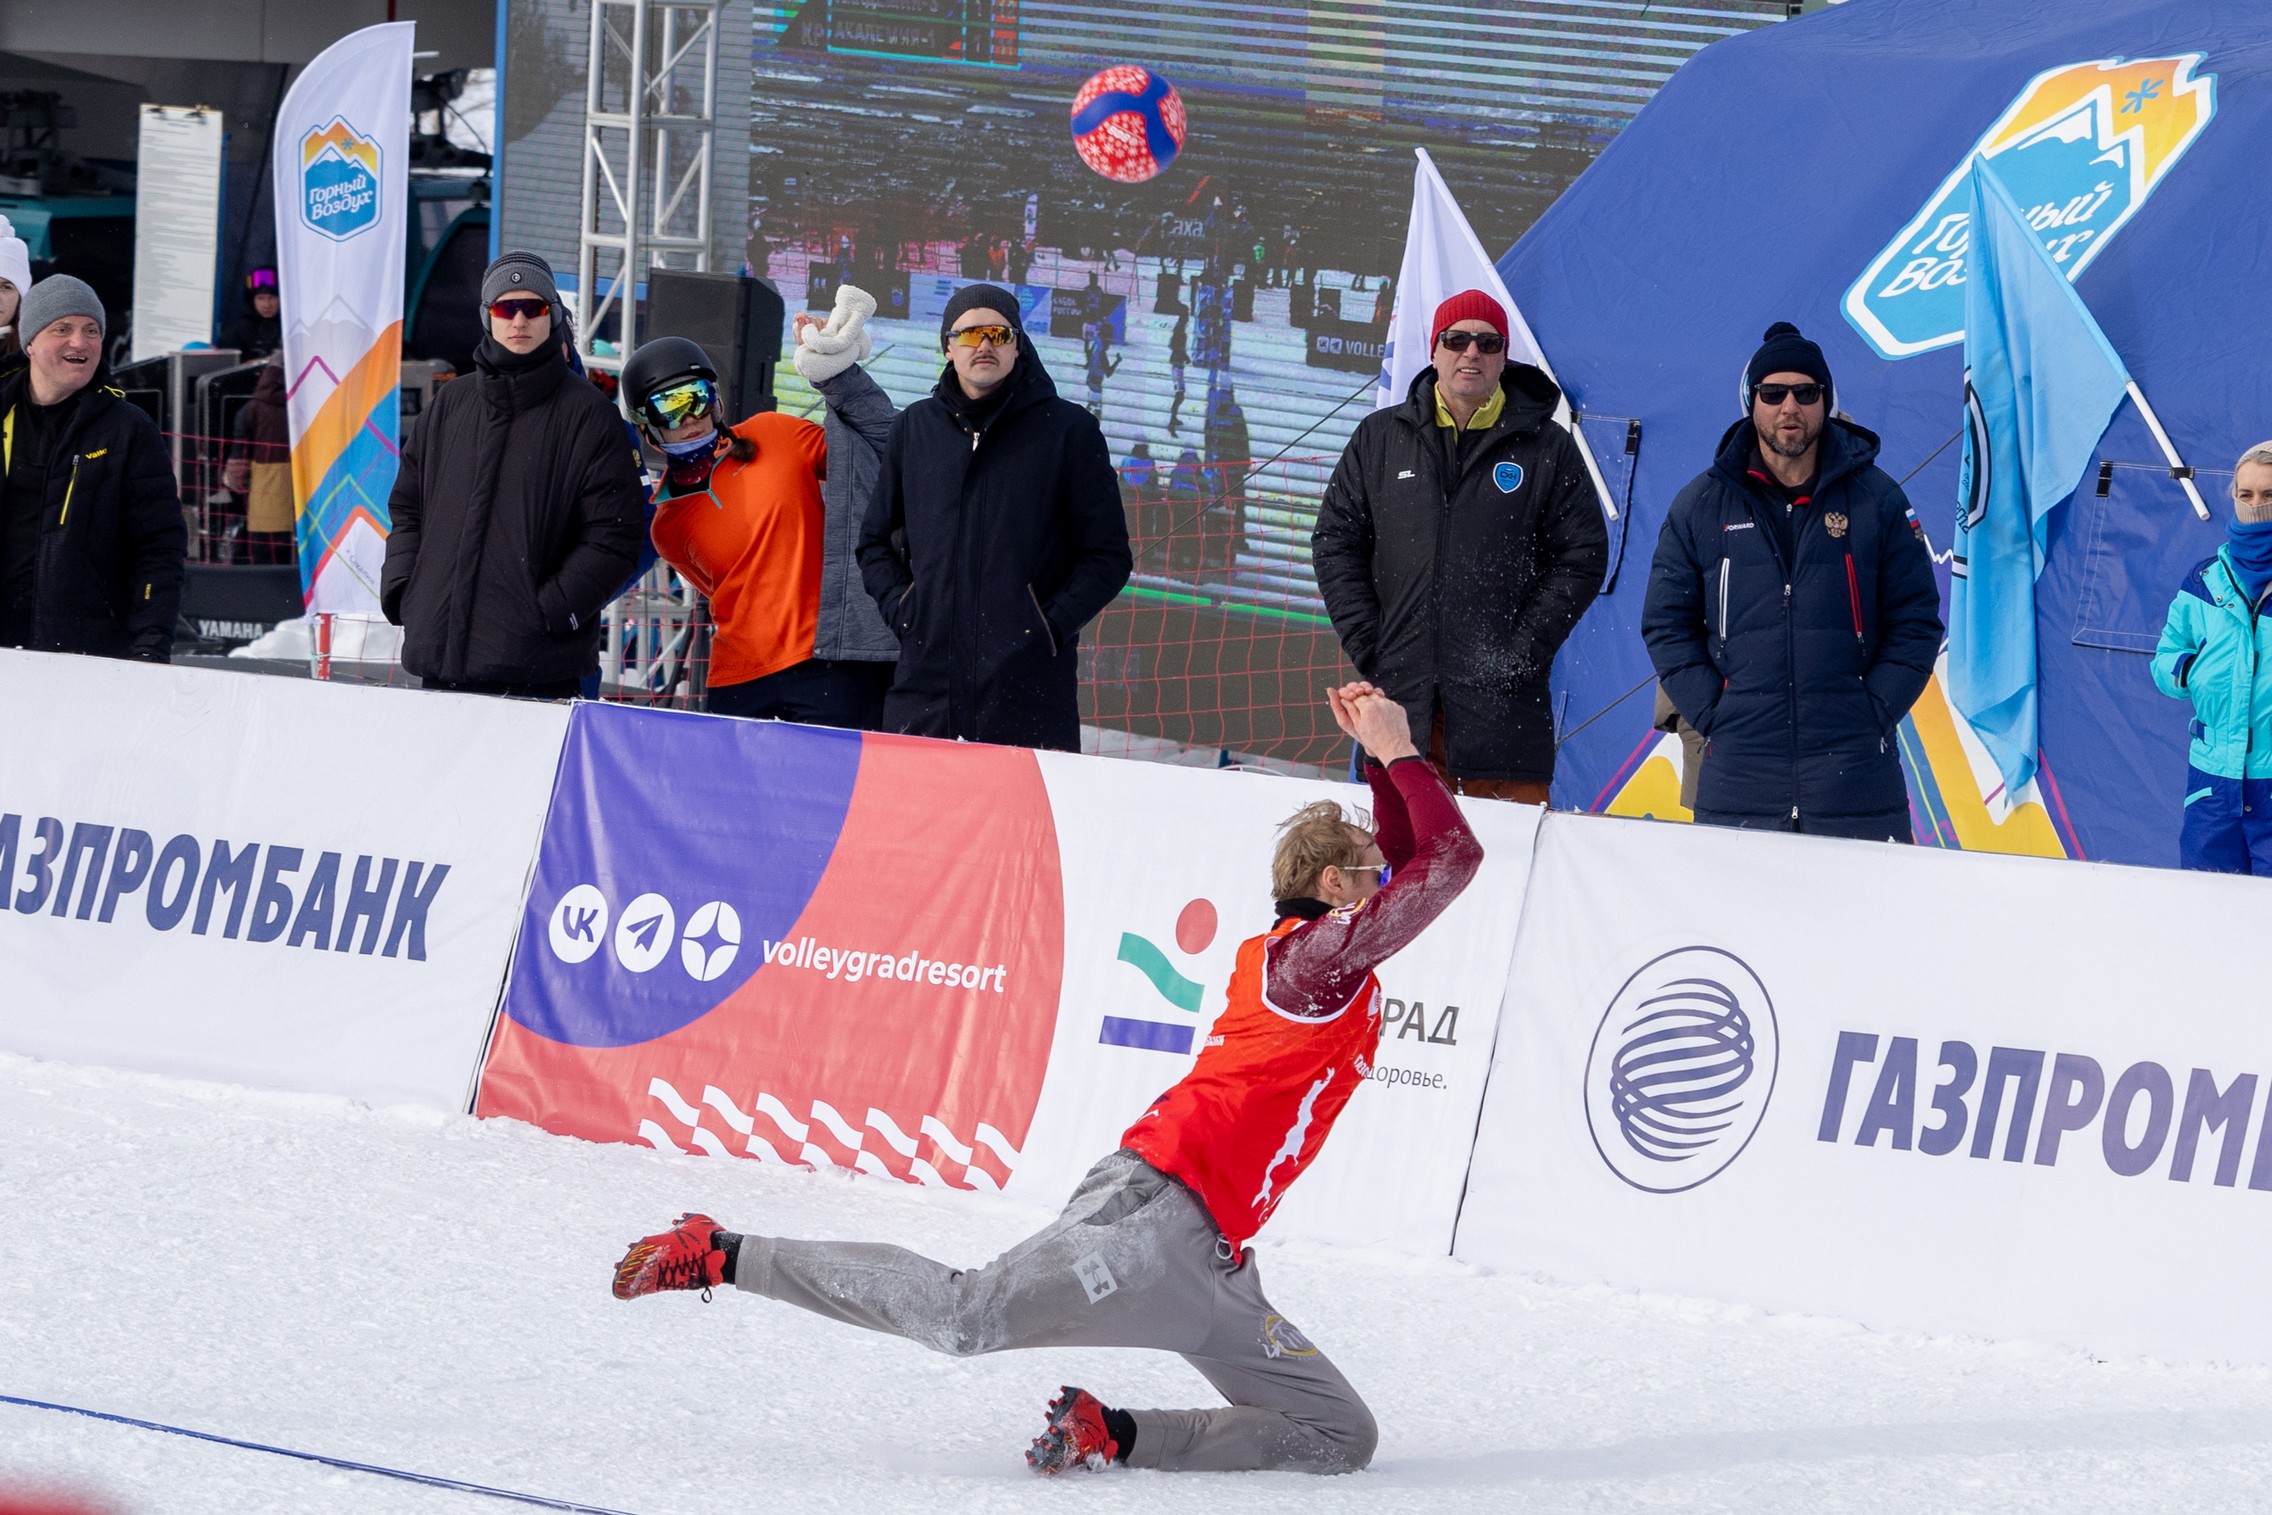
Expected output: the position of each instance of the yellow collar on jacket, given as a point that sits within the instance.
(1486, 415)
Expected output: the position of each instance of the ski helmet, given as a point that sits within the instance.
(657, 366)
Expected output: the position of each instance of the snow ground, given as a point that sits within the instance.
(430, 1292)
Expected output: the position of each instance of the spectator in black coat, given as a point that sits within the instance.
(995, 535)
(258, 329)
(1792, 612)
(1459, 541)
(91, 532)
(518, 511)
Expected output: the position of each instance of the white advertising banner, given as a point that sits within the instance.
(265, 881)
(341, 182)
(1919, 1089)
(177, 228)
(1166, 870)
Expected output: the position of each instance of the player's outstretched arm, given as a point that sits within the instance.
(1431, 852)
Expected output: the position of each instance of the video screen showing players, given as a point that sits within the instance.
(1222, 318)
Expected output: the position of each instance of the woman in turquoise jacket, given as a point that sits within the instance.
(2216, 650)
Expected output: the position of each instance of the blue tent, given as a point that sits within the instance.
(1812, 172)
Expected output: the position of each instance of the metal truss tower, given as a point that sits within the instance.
(650, 116)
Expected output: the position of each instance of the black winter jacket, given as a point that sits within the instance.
(516, 517)
(1453, 585)
(1796, 674)
(111, 540)
(987, 551)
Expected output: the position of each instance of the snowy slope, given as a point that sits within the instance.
(430, 1292)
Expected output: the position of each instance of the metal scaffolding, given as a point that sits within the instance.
(650, 113)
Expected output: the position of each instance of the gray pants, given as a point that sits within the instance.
(1134, 1261)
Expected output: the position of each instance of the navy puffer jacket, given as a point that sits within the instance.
(1797, 673)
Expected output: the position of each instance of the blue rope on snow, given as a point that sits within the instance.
(429, 1479)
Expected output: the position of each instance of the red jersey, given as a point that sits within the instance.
(1303, 1020)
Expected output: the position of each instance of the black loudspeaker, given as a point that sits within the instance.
(737, 320)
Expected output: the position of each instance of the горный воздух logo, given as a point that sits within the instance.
(2081, 148)
(339, 181)
(1681, 1070)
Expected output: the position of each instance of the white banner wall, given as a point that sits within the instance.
(261, 880)
(1166, 870)
(1914, 1088)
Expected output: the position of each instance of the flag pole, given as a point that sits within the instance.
(2177, 468)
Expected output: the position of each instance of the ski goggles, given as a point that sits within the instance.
(261, 278)
(678, 403)
(977, 336)
(1486, 342)
(1775, 394)
(518, 305)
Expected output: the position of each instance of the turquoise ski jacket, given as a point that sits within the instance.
(2216, 650)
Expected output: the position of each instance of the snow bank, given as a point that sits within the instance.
(428, 1291)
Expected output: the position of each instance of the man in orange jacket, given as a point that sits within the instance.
(740, 516)
(1151, 1249)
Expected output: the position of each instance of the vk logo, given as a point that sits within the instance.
(578, 922)
(1681, 1070)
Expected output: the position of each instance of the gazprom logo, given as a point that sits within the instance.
(1683, 1064)
(2081, 148)
(339, 181)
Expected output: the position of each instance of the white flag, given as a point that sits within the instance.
(342, 178)
(1441, 258)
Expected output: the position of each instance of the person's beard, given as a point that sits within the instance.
(1772, 440)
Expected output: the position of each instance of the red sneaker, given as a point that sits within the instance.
(1076, 1437)
(684, 1257)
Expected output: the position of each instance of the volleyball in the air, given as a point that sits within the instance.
(1127, 123)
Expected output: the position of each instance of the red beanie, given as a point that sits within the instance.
(1469, 305)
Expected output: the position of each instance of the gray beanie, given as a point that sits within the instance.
(520, 273)
(53, 298)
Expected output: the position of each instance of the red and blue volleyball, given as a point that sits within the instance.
(1127, 123)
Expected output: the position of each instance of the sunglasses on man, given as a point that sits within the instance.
(1775, 394)
(524, 305)
(979, 336)
(679, 403)
(1486, 342)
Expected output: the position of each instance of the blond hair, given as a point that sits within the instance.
(1314, 838)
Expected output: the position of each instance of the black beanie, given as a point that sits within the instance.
(980, 297)
(1783, 350)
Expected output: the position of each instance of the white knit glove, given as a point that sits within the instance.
(826, 350)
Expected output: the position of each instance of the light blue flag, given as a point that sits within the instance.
(2040, 383)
